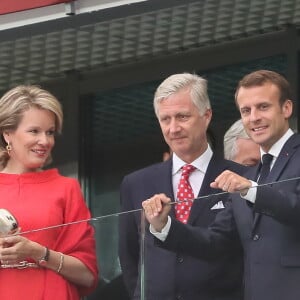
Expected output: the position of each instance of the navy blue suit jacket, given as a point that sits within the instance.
(269, 232)
(169, 275)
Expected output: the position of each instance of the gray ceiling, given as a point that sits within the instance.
(98, 40)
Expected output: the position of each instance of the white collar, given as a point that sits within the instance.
(276, 148)
(200, 163)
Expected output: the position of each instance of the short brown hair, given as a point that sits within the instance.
(260, 77)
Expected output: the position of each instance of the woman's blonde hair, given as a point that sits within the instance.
(15, 102)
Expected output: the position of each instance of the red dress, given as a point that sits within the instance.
(39, 200)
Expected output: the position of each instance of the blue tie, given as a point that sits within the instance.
(265, 167)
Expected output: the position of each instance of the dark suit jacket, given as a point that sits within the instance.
(169, 275)
(269, 232)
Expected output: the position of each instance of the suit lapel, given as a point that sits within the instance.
(284, 156)
(201, 206)
(163, 182)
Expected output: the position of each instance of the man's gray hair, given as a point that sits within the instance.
(236, 131)
(178, 82)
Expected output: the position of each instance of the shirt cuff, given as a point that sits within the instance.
(251, 194)
(164, 232)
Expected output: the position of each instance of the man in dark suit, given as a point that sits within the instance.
(183, 110)
(264, 217)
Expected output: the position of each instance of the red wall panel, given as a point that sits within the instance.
(10, 6)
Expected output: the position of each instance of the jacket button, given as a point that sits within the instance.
(256, 237)
(180, 259)
(179, 297)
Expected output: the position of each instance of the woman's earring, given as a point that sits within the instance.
(8, 148)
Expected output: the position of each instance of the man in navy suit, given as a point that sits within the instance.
(184, 112)
(265, 218)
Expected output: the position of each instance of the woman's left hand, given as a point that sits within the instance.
(16, 248)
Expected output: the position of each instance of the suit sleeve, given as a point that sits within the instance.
(280, 201)
(204, 243)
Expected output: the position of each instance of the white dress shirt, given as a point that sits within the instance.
(195, 179)
(274, 150)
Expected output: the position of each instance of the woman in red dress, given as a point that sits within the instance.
(55, 263)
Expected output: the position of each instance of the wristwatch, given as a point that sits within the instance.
(43, 260)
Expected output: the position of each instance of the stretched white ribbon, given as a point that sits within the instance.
(140, 209)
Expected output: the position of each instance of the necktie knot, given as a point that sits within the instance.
(267, 159)
(187, 170)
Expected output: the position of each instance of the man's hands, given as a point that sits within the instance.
(157, 209)
(232, 183)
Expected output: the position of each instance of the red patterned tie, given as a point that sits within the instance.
(184, 192)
